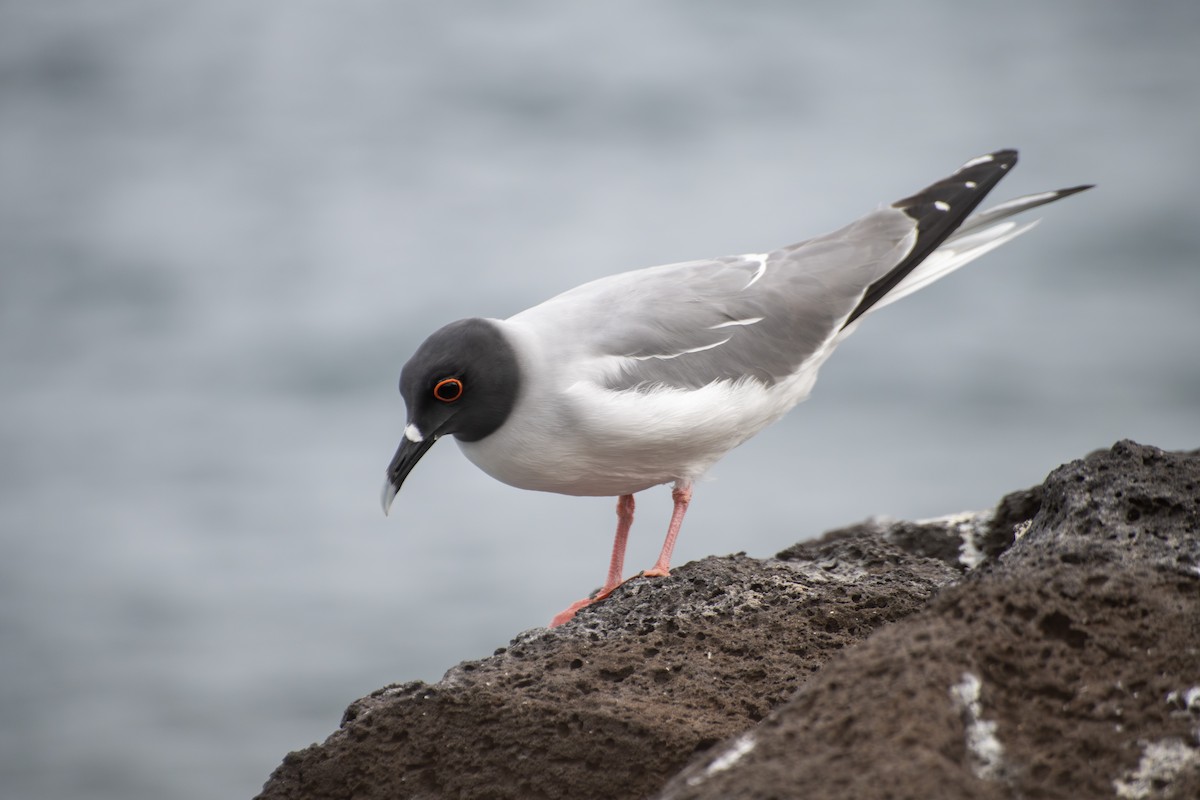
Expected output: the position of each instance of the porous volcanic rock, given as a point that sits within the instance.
(870, 663)
(1070, 668)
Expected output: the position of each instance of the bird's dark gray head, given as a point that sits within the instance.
(462, 381)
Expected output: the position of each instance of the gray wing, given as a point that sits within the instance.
(761, 316)
(758, 316)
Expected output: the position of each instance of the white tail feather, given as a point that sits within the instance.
(980, 233)
(957, 251)
(1005, 210)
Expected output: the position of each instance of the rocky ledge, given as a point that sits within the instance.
(1048, 648)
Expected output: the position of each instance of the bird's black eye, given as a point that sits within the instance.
(448, 389)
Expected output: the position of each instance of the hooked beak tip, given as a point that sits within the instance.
(389, 494)
(407, 455)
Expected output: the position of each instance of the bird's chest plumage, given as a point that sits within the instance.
(589, 440)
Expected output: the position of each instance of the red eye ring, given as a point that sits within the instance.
(448, 389)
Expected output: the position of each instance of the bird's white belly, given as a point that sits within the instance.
(593, 441)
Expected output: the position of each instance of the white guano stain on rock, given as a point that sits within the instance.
(985, 748)
(1161, 762)
(969, 526)
(744, 744)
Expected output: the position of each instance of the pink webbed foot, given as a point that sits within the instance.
(624, 521)
(682, 496)
(568, 613)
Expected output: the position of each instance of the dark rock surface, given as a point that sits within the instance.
(870, 663)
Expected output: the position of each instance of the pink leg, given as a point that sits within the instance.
(682, 495)
(615, 566)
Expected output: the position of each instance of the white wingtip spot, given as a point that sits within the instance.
(970, 184)
(978, 160)
(413, 433)
(941, 205)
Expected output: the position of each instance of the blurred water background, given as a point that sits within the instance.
(225, 225)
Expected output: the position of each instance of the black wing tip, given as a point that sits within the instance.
(1003, 159)
(961, 192)
(937, 210)
(1005, 154)
(940, 208)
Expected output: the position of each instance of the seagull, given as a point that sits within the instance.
(651, 376)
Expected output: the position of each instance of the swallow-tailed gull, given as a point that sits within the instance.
(651, 376)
